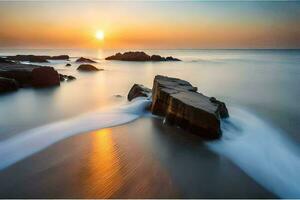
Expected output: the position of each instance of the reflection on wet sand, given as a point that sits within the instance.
(142, 159)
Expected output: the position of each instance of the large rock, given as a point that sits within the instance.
(139, 56)
(37, 58)
(45, 77)
(181, 104)
(7, 85)
(84, 60)
(138, 90)
(60, 57)
(88, 68)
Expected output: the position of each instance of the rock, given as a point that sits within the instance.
(63, 77)
(4, 60)
(29, 58)
(138, 90)
(45, 77)
(71, 78)
(85, 60)
(182, 105)
(118, 96)
(139, 56)
(35, 58)
(88, 68)
(157, 58)
(7, 85)
(60, 57)
(170, 58)
(68, 65)
(22, 76)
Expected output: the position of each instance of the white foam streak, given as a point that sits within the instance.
(262, 151)
(29, 142)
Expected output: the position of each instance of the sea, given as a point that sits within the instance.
(83, 139)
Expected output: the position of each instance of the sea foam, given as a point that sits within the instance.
(32, 141)
(262, 151)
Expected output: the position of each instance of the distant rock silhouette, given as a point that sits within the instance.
(88, 68)
(84, 60)
(139, 56)
(35, 58)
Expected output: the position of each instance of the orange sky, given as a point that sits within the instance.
(133, 24)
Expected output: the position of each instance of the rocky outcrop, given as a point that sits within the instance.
(88, 68)
(60, 57)
(37, 58)
(139, 56)
(7, 85)
(28, 75)
(138, 90)
(63, 77)
(45, 77)
(84, 60)
(180, 103)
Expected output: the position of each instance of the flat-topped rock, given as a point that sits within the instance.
(88, 68)
(139, 56)
(28, 75)
(85, 60)
(182, 105)
(37, 58)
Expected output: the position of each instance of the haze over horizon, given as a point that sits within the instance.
(148, 24)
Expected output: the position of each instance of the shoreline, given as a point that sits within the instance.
(168, 163)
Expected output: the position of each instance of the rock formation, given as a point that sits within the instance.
(138, 90)
(180, 103)
(36, 58)
(45, 77)
(84, 60)
(139, 56)
(88, 68)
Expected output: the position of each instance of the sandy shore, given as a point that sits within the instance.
(142, 159)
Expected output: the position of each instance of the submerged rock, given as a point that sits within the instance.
(138, 90)
(139, 56)
(182, 105)
(45, 77)
(63, 77)
(85, 60)
(88, 68)
(7, 84)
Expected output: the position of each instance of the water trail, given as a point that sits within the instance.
(32, 141)
(262, 151)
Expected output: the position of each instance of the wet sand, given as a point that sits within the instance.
(142, 159)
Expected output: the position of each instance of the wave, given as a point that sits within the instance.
(262, 151)
(32, 141)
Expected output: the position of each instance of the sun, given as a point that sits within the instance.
(100, 35)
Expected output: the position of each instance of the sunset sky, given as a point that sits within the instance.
(149, 24)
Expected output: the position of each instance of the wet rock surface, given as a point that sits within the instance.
(138, 90)
(182, 105)
(88, 68)
(139, 56)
